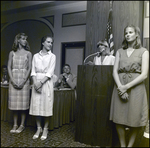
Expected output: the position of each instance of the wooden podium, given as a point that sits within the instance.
(94, 91)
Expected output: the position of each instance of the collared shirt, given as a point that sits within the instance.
(49, 52)
(43, 64)
(108, 60)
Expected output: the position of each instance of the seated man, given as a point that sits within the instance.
(4, 77)
(66, 79)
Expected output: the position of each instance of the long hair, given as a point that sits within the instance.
(16, 44)
(137, 43)
(44, 39)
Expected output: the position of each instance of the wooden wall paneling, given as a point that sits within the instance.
(94, 90)
(89, 27)
(102, 16)
(50, 19)
(97, 13)
(124, 13)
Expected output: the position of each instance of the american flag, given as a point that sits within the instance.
(109, 35)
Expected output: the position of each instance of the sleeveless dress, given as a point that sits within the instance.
(41, 104)
(133, 112)
(19, 99)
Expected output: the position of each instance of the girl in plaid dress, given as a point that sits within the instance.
(19, 68)
(43, 66)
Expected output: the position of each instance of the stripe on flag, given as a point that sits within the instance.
(109, 35)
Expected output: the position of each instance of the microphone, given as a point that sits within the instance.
(97, 53)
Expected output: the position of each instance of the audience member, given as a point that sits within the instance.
(4, 78)
(66, 79)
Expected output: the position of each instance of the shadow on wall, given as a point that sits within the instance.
(34, 29)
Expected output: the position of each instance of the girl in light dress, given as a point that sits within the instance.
(19, 67)
(41, 105)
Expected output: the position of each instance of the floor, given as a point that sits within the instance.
(61, 137)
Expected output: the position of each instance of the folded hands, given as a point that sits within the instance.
(18, 86)
(122, 91)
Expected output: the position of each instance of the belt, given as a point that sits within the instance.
(127, 73)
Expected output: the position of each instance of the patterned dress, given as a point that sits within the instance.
(19, 99)
(133, 112)
(42, 103)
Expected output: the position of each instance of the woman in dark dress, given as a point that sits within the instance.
(129, 106)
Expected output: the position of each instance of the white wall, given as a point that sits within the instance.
(61, 34)
(67, 34)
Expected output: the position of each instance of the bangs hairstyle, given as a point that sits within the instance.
(44, 39)
(137, 43)
(16, 45)
(102, 42)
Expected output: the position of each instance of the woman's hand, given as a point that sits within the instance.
(125, 96)
(37, 85)
(39, 90)
(121, 89)
(14, 83)
(21, 84)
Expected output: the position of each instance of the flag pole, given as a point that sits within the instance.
(110, 5)
(109, 34)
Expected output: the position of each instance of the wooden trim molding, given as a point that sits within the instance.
(74, 19)
(146, 9)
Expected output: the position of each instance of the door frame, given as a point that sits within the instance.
(64, 45)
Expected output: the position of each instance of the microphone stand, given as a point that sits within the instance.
(90, 56)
